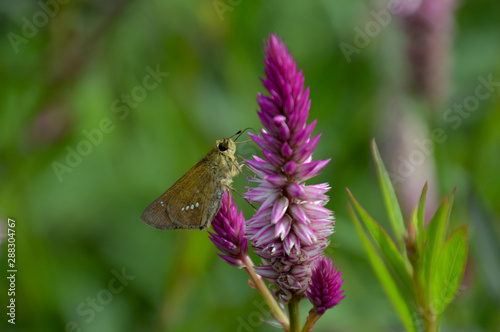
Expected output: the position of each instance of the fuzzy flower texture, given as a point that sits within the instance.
(324, 292)
(229, 227)
(290, 229)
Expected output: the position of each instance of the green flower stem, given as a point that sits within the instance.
(311, 320)
(423, 302)
(294, 312)
(259, 284)
(430, 324)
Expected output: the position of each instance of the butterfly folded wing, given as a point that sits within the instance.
(198, 197)
(156, 214)
(192, 202)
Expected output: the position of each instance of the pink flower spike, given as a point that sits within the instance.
(286, 231)
(324, 291)
(229, 236)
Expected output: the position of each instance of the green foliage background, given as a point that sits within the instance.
(71, 234)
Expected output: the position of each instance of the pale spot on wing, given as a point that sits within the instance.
(186, 208)
(162, 204)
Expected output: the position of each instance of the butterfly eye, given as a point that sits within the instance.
(222, 147)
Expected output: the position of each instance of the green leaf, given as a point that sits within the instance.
(420, 220)
(448, 275)
(434, 236)
(400, 264)
(400, 303)
(431, 250)
(391, 202)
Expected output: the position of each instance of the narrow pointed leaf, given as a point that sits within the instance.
(448, 275)
(436, 235)
(437, 231)
(401, 265)
(395, 294)
(421, 219)
(414, 218)
(432, 245)
(390, 199)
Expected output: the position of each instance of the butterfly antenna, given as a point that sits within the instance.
(240, 132)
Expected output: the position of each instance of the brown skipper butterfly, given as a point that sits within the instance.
(194, 200)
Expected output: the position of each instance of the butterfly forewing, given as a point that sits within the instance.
(156, 214)
(188, 203)
(197, 197)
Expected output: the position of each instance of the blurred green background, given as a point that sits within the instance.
(65, 80)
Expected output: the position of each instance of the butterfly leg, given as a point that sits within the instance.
(248, 167)
(229, 189)
(242, 164)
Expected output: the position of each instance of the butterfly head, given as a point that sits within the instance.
(226, 146)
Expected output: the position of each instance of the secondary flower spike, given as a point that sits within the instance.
(229, 236)
(290, 229)
(324, 291)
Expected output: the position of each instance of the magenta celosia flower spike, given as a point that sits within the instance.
(290, 229)
(229, 236)
(324, 291)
